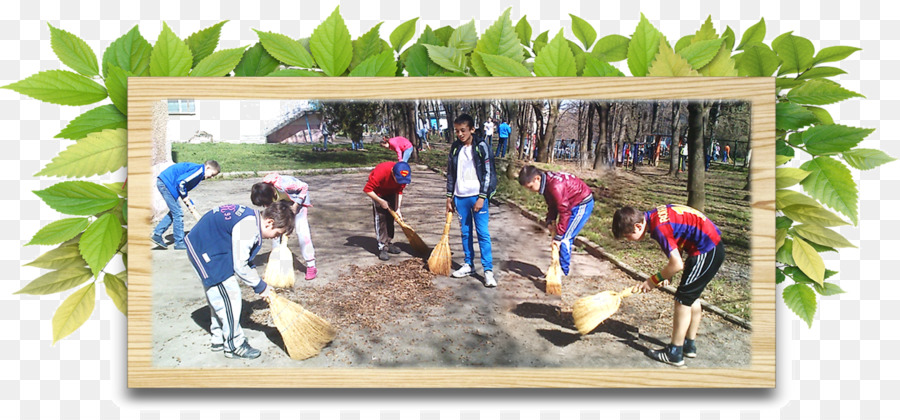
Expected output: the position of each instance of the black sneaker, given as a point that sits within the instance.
(690, 348)
(243, 352)
(383, 255)
(216, 347)
(158, 241)
(393, 249)
(671, 355)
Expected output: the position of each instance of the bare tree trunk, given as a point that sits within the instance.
(539, 139)
(512, 109)
(697, 113)
(549, 138)
(602, 136)
(675, 149)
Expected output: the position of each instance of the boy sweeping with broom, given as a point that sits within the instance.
(677, 228)
(569, 204)
(275, 187)
(221, 247)
(385, 188)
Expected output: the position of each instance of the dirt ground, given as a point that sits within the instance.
(396, 314)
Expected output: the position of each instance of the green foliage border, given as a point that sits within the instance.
(88, 242)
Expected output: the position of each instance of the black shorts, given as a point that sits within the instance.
(698, 271)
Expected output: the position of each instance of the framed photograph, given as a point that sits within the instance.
(542, 289)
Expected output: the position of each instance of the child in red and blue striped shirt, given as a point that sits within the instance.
(676, 228)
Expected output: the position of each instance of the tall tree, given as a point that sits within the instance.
(350, 117)
(675, 149)
(604, 141)
(698, 112)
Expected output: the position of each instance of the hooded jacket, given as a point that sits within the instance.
(484, 167)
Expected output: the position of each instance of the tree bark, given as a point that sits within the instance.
(603, 137)
(675, 149)
(549, 131)
(697, 113)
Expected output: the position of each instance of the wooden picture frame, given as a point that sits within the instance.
(144, 92)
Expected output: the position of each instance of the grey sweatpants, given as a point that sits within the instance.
(384, 222)
(225, 313)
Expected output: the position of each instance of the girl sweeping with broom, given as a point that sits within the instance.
(275, 187)
(571, 201)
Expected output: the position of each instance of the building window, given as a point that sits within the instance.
(181, 107)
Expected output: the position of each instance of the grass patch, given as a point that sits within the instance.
(279, 157)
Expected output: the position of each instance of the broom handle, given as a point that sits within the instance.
(393, 213)
(447, 225)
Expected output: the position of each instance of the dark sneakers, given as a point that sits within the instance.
(216, 347)
(243, 352)
(180, 246)
(671, 355)
(393, 249)
(383, 254)
(158, 241)
(690, 348)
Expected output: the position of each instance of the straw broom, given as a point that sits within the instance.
(305, 334)
(417, 243)
(439, 262)
(554, 273)
(589, 312)
(280, 268)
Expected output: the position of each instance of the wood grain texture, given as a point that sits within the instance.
(143, 92)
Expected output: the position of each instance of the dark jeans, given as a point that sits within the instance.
(175, 216)
(501, 147)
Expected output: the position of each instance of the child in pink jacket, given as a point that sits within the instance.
(401, 145)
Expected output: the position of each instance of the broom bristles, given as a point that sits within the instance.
(305, 334)
(553, 278)
(588, 312)
(440, 261)
(280, 268)
(415, 241)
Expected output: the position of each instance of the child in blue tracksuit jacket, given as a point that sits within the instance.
(221, 247)
(176, 181)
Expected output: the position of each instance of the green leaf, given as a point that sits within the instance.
(836, 53)
(418, 64)
(403, 33)
(367, 45)
(783, 149)
(781, 160)
(73, 52)
(523, 30)
(131, 52)
(865, 159)
(782, 83)
(808, 260)
(541, 41)
(758, 61)
(64, 256)
(812, 214)
(99, 242)
(796, 139)
(706, 32)
(790, 116)
(256, 61)
(500, 66)
(831, 183)
(556, 59)
(780, 236)
(171, 57)
(295, 73)
(499, 39)
(823, 236)
(779, 276)
(117, 291)
(784, 253)
(381, 65)
(820, 72)
(822, 115)
(78, 198)
(59, 231)
(782, 222)
(97, 119)
(699, 54)
(447, 57)
(754, 34)
(728, 36)
(57, 281)
(285, 49)
(117, 86)
(722, 65)
(670, 64)
(820, 92)
(331, 46)
(579, 55)
(833, 139)
(786, 177)
(596, 68)
(683, 42)
(802, 300)
(202, 43)
(583, 31)
(786, 198)
(828, 289)
(611, 48)
(98, 153)
(219, 63)
(463, 38)
(73, 312)
(444, 33)
(795, 52)
(643, 47)
(60, 87)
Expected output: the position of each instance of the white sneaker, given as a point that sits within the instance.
(465, 270)
(489, 279)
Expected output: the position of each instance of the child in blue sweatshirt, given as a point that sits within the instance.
(176, 181)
